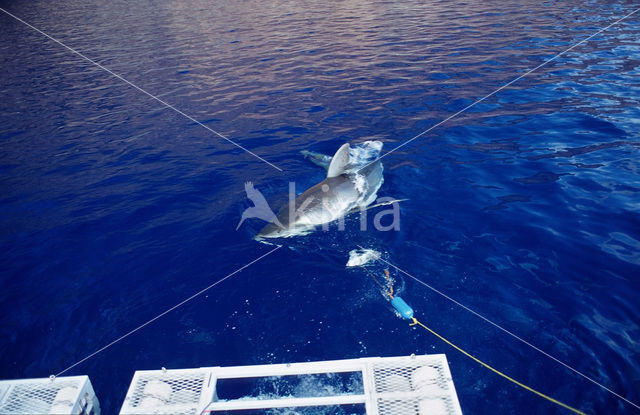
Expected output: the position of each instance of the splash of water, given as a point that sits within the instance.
(360, 257)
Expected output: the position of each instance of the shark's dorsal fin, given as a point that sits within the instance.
(339, 162)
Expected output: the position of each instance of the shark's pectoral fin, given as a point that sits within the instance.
(339, 162)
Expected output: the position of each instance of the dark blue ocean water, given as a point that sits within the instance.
(525, 208)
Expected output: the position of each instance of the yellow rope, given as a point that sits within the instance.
(416, 322)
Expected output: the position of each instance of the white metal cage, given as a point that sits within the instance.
(177, 392)
(59, 396)
(407, 385)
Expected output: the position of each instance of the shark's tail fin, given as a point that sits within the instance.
(318, 159)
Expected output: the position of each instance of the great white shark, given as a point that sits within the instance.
(347, 188)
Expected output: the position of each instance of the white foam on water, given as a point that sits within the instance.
(363, 153)
(307, 386)
(361, 183)
(360, 257)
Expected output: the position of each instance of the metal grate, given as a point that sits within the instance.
(425, 406)
(412, 376)
(45, 396)
(168, 392)
(417, 385)
(398, 407)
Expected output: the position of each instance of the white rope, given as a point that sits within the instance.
(508, 332)
(167, 311)
(138, 88)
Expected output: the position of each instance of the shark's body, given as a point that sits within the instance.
(343, 191)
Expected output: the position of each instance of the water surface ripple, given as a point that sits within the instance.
(525, 208)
